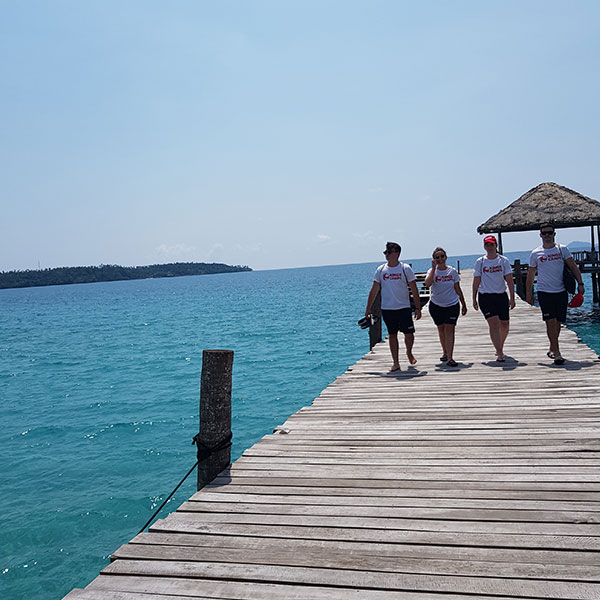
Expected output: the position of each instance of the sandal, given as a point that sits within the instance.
(443, 358)
(559, 360)
(550, 354)
(452, 363)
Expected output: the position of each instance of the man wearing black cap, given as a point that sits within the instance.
(549, 260)
(394, 279)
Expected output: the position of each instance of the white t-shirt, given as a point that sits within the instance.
(442, 288)
(492, 272)
(394, 285)
(550, 265)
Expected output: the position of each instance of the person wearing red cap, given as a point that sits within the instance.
(549, 260)
(491, 275)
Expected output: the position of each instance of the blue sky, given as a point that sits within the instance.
(286, 133)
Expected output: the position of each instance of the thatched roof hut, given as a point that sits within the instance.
(545, 203)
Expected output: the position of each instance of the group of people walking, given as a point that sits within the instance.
(493, 295)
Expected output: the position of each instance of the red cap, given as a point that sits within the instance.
(489, 239)
(576, 300)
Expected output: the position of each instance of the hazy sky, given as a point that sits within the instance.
(283, 133)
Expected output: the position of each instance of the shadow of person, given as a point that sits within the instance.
(410, 373)
(570, 365)
(460, 366)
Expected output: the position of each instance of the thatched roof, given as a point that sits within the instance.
(545, 203)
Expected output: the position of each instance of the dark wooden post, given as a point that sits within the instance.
(375, 330)
(518, 278)
(500, 249)
(214, 439)
(595, 263)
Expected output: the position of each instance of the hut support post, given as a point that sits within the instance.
(594, 259)
(214, 439)
(595, 263)
(500, 249)
(375, 330)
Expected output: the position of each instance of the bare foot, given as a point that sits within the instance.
(411, 359)
(394, 369)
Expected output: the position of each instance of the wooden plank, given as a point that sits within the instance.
(296, 556)
(179, 524)
(185, 587)
(358, 579)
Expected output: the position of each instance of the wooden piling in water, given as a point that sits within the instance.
(214, 438)
(375, 328)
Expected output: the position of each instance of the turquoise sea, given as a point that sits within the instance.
(99, 387)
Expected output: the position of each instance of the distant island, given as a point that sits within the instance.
(68, 275)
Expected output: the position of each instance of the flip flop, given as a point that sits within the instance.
(498, 359)
(559, 360)
(443, 358)
(452, 363)
(550, 354)
(394, 370)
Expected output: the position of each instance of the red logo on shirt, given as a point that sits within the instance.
(495, 269)
(550, 257)
(443, 278)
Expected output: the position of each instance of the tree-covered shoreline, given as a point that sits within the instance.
(69, 275)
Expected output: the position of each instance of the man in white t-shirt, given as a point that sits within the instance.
(549, 260)
(491, 275)
(394, 278)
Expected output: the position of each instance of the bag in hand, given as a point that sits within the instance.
(568, 278)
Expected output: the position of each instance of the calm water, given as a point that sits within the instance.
(99, 387)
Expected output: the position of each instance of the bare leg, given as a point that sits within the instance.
(393, 341)
(495, 335)
(409, 340)
(553, 331)
(442, 334)
(449, 333)
(504, 328)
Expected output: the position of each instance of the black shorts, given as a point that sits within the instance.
(554, 306)
(444, 315)
(398, 320)
(494, 305)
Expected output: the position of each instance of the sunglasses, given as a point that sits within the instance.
(439, 256)
(547, 232)
(390, 251)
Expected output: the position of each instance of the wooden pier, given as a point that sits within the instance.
(480, 482)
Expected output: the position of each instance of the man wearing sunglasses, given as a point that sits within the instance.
(549, 260)
(394, 279)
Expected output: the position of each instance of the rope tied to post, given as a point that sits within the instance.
(205, 451)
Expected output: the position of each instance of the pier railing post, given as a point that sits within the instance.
(375, 330)
(518, 279)
(214, 439)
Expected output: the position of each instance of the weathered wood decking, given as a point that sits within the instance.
(477, 482)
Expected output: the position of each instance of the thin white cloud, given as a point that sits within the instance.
(175, 251)
(365, 236)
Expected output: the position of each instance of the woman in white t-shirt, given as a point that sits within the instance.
(446, 294)
(491, 275)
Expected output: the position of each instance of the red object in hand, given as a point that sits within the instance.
(576, 301)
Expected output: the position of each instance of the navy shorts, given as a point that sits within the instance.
(554, 306)
(494, 305)
(444, 315)
(398, 320)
